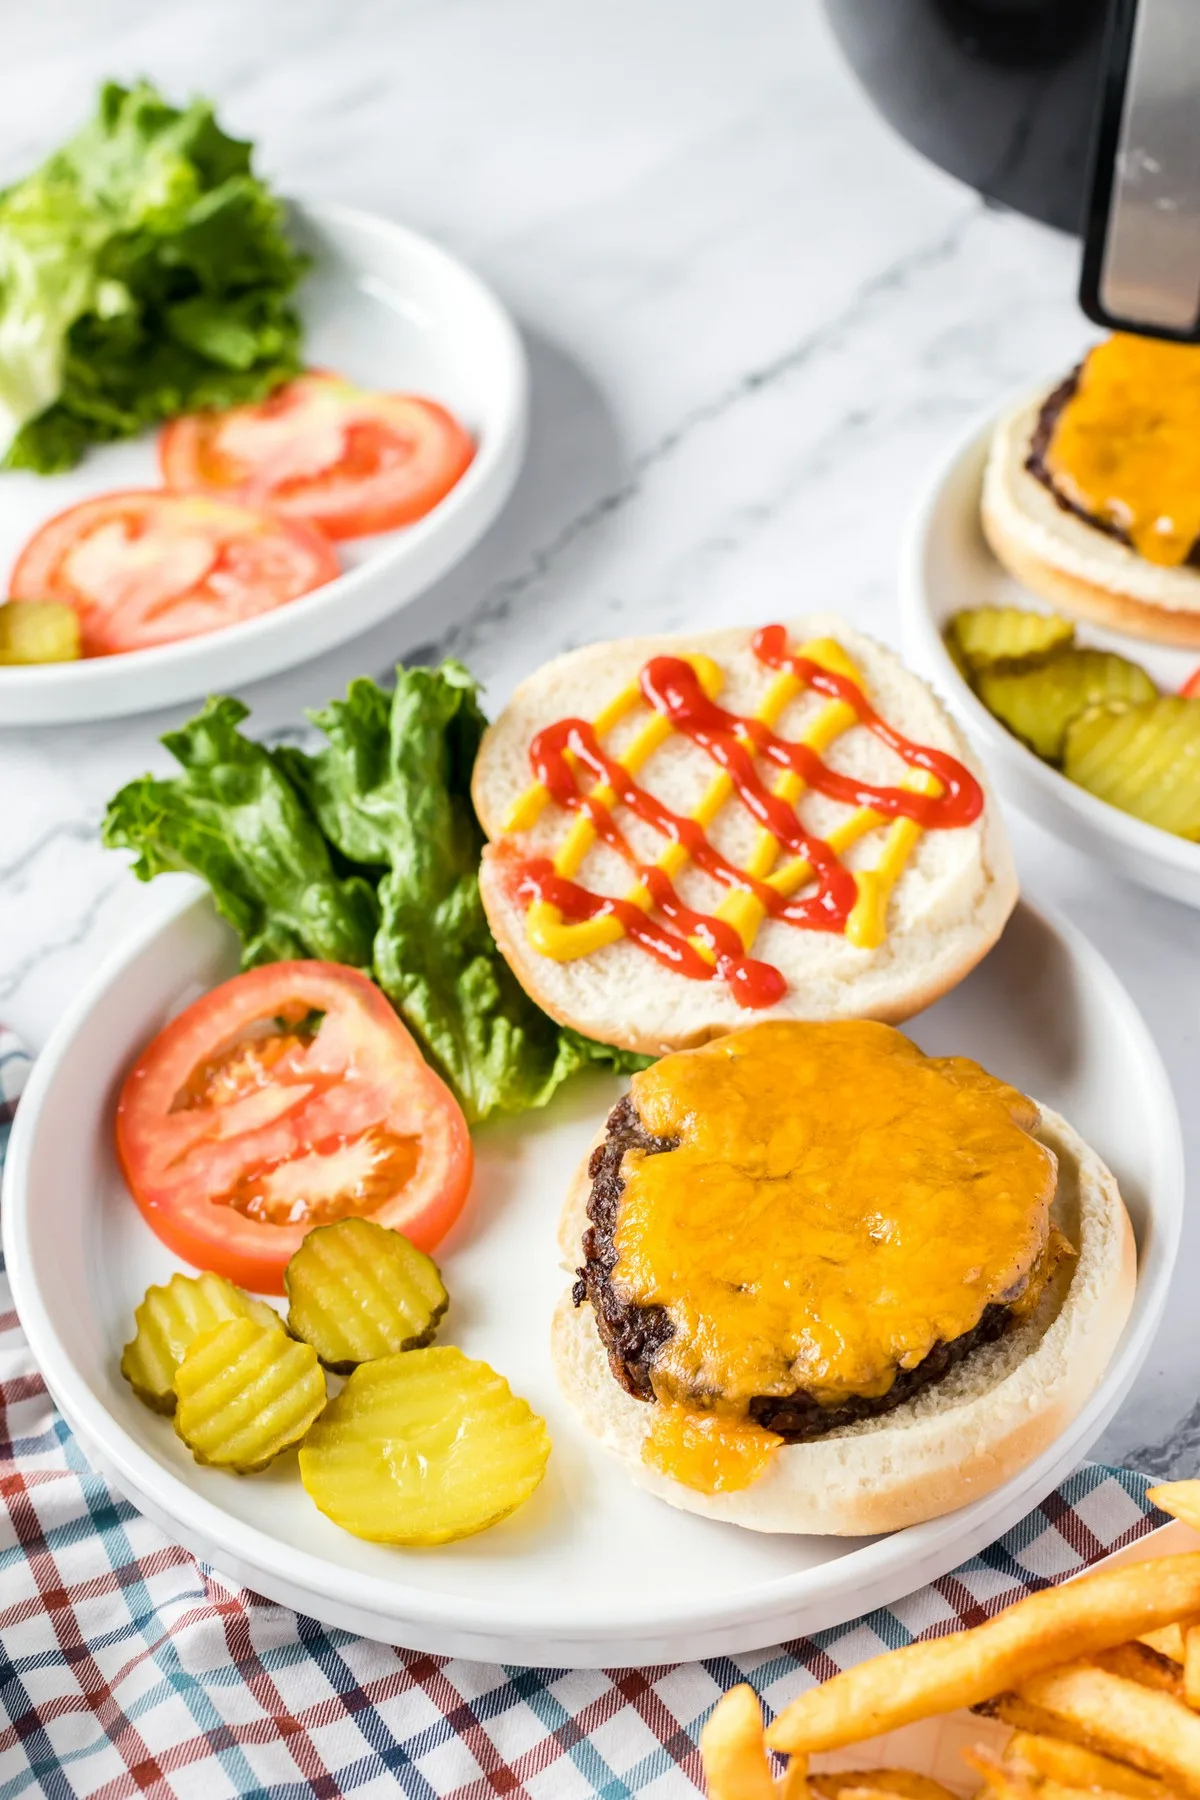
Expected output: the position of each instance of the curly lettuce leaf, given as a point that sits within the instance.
(144, 271)
(390, 787)
(233, 819)
(363, 851)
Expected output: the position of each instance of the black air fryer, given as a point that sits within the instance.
(1083, 113)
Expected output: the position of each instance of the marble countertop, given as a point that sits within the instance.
(754, 319)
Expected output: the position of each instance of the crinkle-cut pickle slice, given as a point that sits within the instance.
(246, 1392)
(38, 631)
(1038, 703)
(1144, 759)
(423, 1448)
(984, 636)
(357, 1291)
(169, 1319)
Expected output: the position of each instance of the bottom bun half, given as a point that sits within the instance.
(1071, 563)
(955, 1441)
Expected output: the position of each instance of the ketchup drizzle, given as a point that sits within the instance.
(672, 687)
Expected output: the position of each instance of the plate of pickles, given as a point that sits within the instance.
(1091, 732)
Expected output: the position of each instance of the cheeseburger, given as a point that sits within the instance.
(1091, 496)
(826, 1283)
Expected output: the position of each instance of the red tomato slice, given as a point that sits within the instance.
(1191, 687)
(287, 1097)
(149, 568)
(347, 460)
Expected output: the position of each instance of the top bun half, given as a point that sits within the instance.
(946, 910)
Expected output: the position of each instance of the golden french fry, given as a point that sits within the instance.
(1168, 1642)
(1138, 1662)
(1012, 1710)
(793, 1783)
(856, 1784)
(1007, 1784)
(734, 1754)
(1179, 1498)
(1071, 1766)
(1153, 1731)
(1191, 1666)
(1001, 1781)
(1057, 1625)
(863, 1790)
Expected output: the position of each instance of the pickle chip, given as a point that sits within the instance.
(168, 1321)
(246, 1391)
(39, 631)
(985, 636)
(1038, 703)
(357, 1291)
(423, 1448)
(1144, 759)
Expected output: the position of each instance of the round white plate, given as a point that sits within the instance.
(593, 1571)
(947, 566)
(390, 310)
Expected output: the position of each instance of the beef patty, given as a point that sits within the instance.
(1039, 468)
(633, 1335)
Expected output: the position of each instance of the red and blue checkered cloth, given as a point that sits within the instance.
(127, 1667)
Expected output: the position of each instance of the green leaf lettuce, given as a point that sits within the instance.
(382, 805)
(144, 272)
(235, 820)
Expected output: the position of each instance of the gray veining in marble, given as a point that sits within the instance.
(753, 319)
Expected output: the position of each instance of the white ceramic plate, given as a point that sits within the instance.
(947, 566)
(592, 1571)
(390, 310)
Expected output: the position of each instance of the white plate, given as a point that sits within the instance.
(592, 1571)
(390, 310)
(946, 566)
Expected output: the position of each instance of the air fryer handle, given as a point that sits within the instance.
(1141, 258)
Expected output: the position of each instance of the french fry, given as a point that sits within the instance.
(1015, 1710)
(1058, 1625)
(1054, 1790)
(1179, 1498)
(1070, 1765)
(1168, 1642)
(1001, 1781)
(856, 1784)
(733, 1751)
(1153, 1731)
(1191, 1665)
(1138, 1662)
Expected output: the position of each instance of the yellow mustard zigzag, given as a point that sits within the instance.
(553, 936)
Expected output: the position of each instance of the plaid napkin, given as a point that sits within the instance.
(128, 1667)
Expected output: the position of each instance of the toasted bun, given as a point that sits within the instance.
(957, 1439)
(1073, 564)
(946, 911)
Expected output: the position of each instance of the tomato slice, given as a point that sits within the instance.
(347, 460)
(144, 568)
(1191, 687)
(287, 1097)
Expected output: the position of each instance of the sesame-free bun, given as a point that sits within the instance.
(1074, 565)
(946, 911)
(958, 1439)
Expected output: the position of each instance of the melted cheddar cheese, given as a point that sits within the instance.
(837, 1204)
(1126, 446)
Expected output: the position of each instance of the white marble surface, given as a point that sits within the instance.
(753, 319)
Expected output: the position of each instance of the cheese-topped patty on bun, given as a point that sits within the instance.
(828, 1283)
